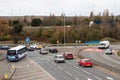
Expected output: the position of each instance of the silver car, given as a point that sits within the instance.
(108, 51)
(43, 51)
(59, 58)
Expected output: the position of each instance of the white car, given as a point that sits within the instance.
(35, 46)
(43, 51)
(59, 58)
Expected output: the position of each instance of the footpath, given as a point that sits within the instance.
(27, 69)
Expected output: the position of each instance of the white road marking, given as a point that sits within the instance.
(53, 63)
(68, 73)
(76, 78)
(85, 71)
(111, 59)
(60, 68)
(109, 78)
(76, 67)
(89, 79)
(28, 65)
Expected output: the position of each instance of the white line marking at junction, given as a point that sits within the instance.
(109, 78)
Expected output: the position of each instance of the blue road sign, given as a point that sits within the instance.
(27, 39)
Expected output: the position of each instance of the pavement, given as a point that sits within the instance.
(27, 69)
(2, 55)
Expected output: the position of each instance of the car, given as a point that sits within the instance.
(39, 47)
(53, 50)
(43, 51)
(4, 47)
(34, 46)
(85, 62)
(108, 51)
(30, 49)
(59, 58)
(68, 55)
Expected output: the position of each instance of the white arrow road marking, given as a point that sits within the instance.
(109, 78)
(89, 79)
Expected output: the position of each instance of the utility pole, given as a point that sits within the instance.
(64, 31)
(11, 18)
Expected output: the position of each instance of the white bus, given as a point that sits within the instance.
(16, 53)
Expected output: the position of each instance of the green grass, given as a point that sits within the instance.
(118, 53)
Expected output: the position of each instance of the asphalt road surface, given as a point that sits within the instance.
(70, 70)
(111, 60)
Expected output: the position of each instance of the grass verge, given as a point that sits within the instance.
(118, 53)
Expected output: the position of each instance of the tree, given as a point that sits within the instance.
(36, 22)
(91, 16)
(18, 28)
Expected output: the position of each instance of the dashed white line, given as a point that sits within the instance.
(75, 66)
(53, 63)
(68, 73)
(60, 68)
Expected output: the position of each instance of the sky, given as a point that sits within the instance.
(69, 7)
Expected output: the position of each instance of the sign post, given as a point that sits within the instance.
(28, 40)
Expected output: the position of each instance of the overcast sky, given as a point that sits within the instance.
(69, 7)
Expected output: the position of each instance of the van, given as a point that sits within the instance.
(104, 45)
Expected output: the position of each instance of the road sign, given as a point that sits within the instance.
(27, 39)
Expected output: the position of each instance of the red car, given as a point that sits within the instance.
(68, 55)
(85, 62)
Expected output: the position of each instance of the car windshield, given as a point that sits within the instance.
(87, 60)
(59, 56)
(11, 52)
(69, 54)
(102, 44)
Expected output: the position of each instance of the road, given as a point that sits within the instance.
(110, 60)
(70, 70)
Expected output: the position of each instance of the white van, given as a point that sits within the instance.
(104, 45)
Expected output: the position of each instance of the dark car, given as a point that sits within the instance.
(30, 49)
(53, 50)
(5, 47)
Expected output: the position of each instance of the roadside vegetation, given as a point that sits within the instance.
(50, 29)
(118, 53)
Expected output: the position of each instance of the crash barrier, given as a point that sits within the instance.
(8, 76)
(111, 68)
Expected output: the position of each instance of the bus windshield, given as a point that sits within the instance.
(11, 52)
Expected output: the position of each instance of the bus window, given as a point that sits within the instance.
(11, 52)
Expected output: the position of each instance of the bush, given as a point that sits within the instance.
(53, 41)
(4, 39)
(15, 40)
(109, 39)
(118, 53)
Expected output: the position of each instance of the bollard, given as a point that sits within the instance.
(13, 67)
(5, 77)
